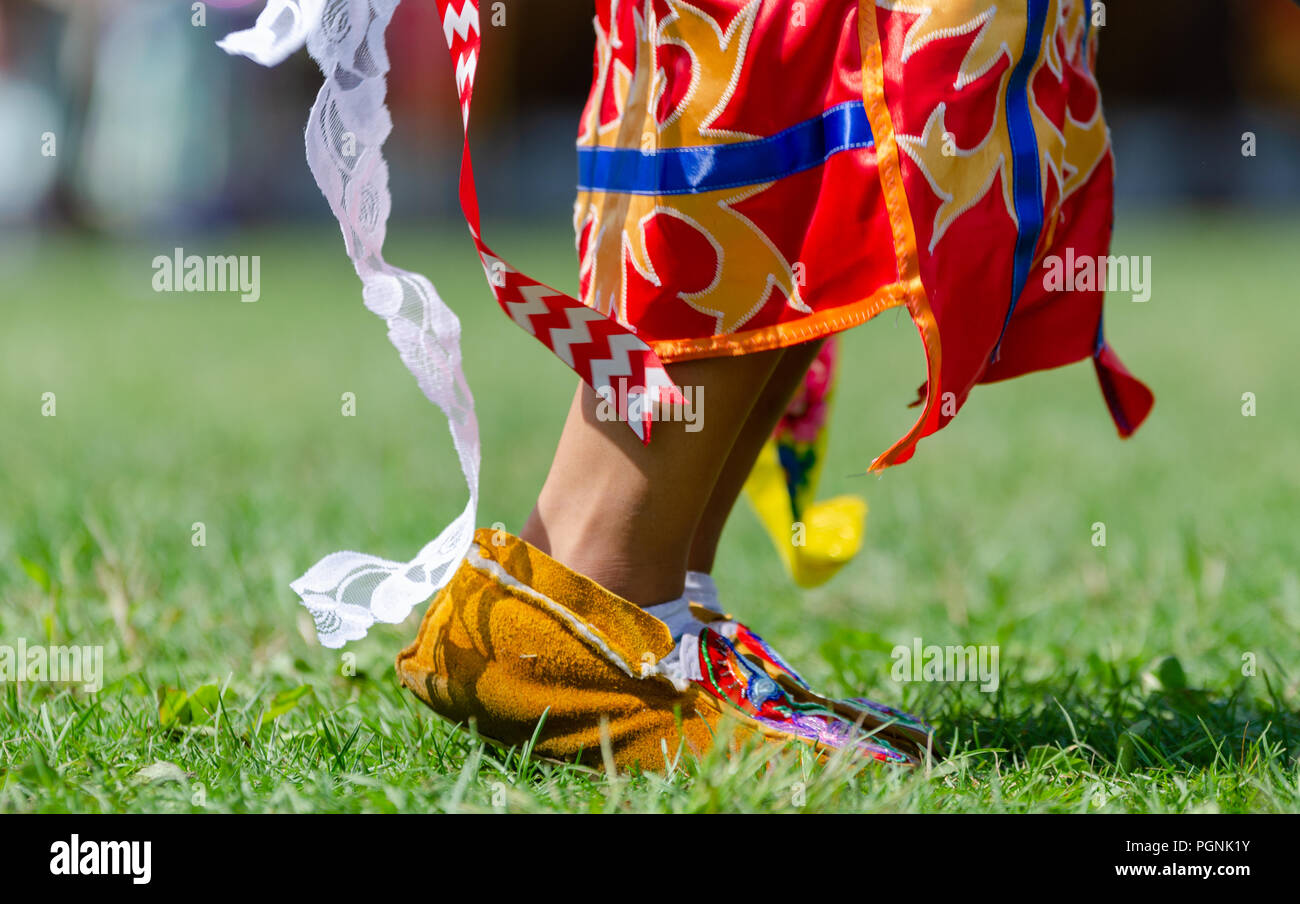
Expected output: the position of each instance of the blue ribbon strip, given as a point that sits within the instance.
(694, 170)
(1027, 183)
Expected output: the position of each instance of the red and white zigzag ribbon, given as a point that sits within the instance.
(598, 348)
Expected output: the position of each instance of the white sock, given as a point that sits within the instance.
(683, 663)
(677, 616)
(701, 589)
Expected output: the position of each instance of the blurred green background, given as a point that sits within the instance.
(173, 409)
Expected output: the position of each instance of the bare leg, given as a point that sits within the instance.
(625, 514)
(764, 417)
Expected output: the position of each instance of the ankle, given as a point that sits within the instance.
(643, 583)
(636, 572)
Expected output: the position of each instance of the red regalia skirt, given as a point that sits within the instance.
(757, 173)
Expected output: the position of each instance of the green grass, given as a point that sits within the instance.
(176, 409)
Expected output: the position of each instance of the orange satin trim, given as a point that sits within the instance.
(782, 335)
(900, 217)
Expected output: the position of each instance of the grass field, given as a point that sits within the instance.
(1126, 680)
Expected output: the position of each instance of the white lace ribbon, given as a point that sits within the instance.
(347, 592)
